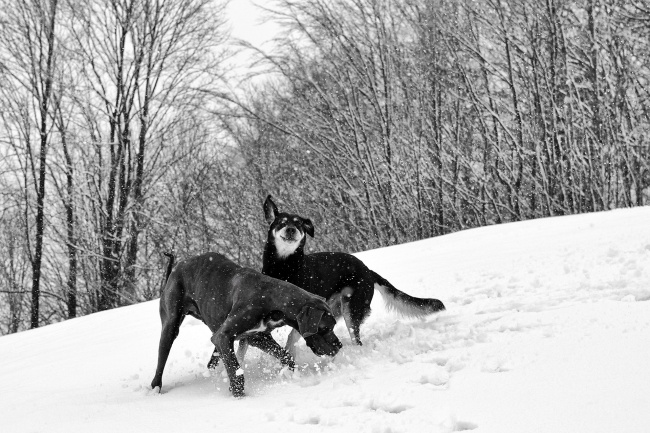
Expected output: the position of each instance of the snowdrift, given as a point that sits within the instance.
(547, 330)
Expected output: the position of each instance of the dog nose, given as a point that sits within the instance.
(290, 231)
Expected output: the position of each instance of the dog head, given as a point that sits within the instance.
(286, 231)
(316, 325)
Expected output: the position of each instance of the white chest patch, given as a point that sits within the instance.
(264, 326)
(261, 327)
(274, 323)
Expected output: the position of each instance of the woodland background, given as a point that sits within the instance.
(126, 132)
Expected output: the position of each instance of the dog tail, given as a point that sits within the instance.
(406, 305)
(170, 265)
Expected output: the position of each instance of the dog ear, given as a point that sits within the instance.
(270, 209)
(308, 320)
(309, 227)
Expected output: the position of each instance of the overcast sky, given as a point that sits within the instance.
(247, 21)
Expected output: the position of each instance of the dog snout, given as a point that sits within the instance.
(327, 345)
(290, 231)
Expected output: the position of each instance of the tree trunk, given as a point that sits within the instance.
(40, 192)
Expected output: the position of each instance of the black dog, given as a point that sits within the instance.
(238, 302)
(342, 279)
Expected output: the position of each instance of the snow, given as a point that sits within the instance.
(547, 330)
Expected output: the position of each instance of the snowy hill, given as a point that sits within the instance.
(547, 330)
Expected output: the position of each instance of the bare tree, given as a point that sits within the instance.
(29, 56)
(414, 118)
(142, 77)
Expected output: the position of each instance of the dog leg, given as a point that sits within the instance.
(167, 336)
(334, 303)
(265, 342)
(214, 359)
(241, 353)
(355, 332)
(242, 348)
(346, 312)
(359, 308)
(293, 338)
(225, 345)
(171, 316)
(224, 340)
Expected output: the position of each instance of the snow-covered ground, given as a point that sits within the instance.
(547, 330)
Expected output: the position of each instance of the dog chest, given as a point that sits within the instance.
(268, 323)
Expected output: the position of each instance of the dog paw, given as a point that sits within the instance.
(288, 362)
(214, 361)
(154, 391)
(237, 393)
(237, 386)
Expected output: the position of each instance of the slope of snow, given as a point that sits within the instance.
(547, 330)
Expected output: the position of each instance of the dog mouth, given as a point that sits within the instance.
(290, 234)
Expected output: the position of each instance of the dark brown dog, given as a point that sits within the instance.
(238, 302)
